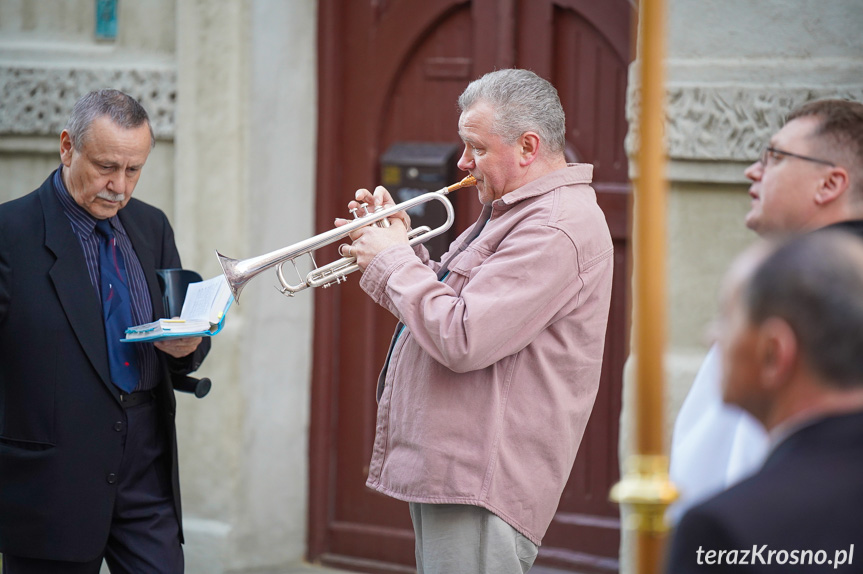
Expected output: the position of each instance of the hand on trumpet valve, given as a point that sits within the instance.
(370, 240)
(368, 202)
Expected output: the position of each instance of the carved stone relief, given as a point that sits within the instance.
(37, 100)
(726, 122)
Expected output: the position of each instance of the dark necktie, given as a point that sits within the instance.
(116, 309)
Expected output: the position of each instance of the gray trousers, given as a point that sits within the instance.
(464, 539)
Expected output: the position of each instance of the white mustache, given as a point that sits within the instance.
(116, 197)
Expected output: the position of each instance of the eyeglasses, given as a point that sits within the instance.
(770, 155)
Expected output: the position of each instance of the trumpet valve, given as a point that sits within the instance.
(382, 222)
(336, 280)
(364, 207)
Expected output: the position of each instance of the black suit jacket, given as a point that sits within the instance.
(59, 411)
(808, 497)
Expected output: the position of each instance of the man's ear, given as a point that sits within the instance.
(66, 148)
(778, 353)
(834, 184)
(529, 142)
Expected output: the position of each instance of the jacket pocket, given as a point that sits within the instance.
(464, 267)
(28, 407)
(24, 444)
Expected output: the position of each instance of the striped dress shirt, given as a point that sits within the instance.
(84, 225)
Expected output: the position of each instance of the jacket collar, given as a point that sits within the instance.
(572, 174)
(819, 434)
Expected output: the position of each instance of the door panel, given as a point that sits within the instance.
(391, 70)
(581, 59)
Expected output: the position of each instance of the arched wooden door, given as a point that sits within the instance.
(390, 71)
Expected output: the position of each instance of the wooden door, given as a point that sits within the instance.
(391, 71)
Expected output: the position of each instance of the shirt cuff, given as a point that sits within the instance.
(376, 275)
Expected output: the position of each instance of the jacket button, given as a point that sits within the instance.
(118, 426)
(112, 478)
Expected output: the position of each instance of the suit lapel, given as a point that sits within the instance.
(72, 283)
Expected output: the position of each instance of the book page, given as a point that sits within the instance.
(183, 326)
(200, 298)
(164, 328)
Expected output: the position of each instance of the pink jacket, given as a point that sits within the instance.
(489, 388)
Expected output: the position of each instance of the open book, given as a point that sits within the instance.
(203, 314)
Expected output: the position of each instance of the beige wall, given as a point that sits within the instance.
(49, 58)
(246, 85)
(231, 89)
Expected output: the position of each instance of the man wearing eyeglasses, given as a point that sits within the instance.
(809, 176)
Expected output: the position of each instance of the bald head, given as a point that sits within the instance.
(791, 329)
(815, 284)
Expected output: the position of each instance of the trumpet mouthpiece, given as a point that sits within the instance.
(466, 182)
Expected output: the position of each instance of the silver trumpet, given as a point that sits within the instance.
(240, 272)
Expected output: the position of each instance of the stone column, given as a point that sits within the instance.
(245, 140)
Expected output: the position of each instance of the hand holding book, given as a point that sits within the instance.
(203, 314)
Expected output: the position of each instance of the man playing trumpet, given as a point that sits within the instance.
(495, 364)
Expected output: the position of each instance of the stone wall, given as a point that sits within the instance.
(226, 84)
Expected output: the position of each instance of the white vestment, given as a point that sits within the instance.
(714, 445)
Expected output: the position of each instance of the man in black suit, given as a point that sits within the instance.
(88, 451)
(791, 339)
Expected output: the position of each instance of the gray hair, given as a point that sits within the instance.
(815, 284)
(122, 109)
(522, 102)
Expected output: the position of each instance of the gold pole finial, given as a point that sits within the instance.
(645, 492)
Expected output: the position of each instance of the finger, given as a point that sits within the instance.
(358, 233)
(346, 250)
(382, 196)
(399, 221)
(404, 218)
(364, 196)
(401, 216)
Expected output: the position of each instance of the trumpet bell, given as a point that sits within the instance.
(235, 280)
